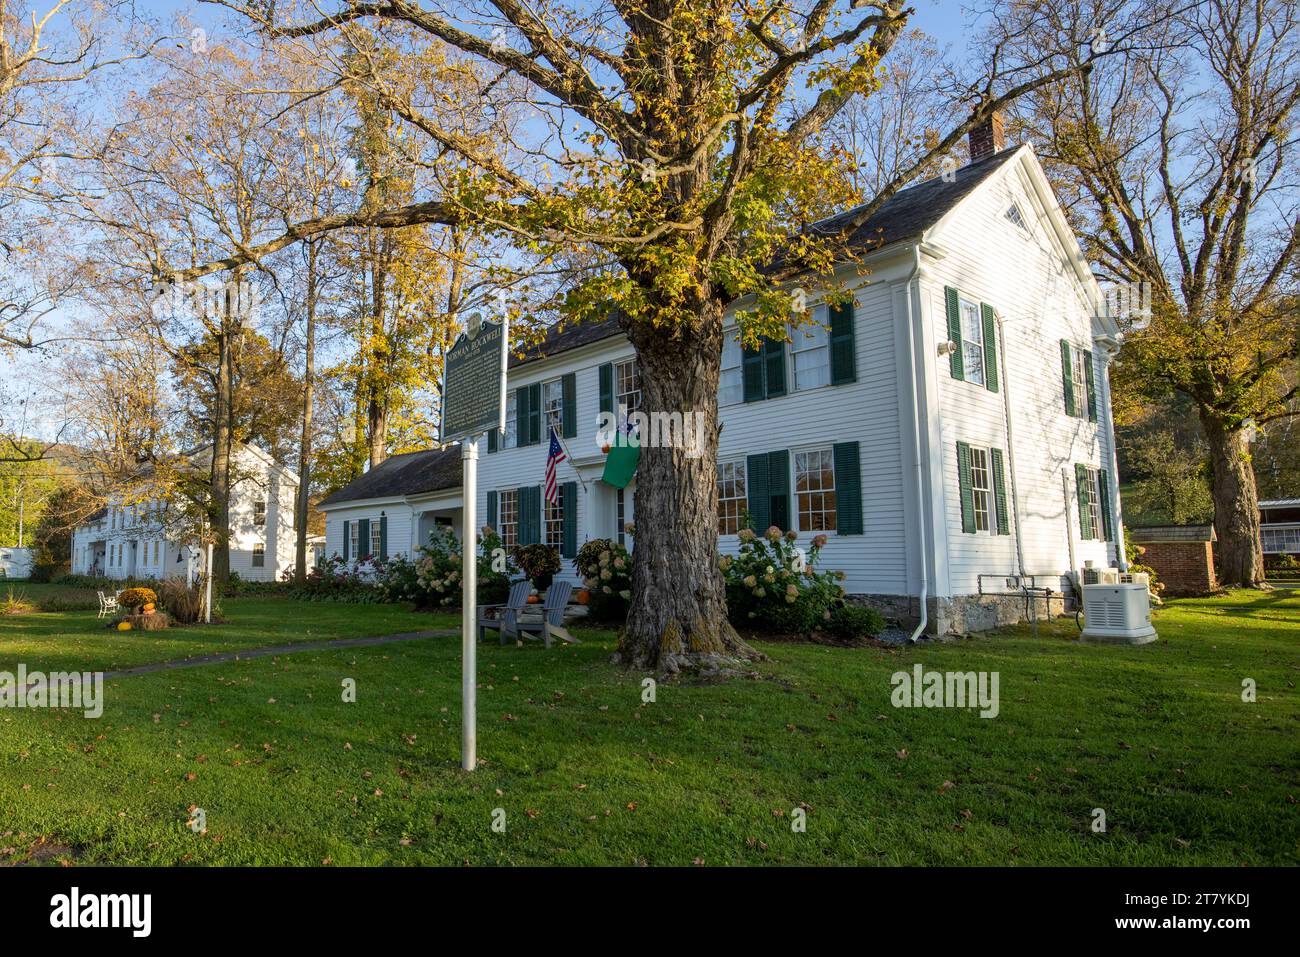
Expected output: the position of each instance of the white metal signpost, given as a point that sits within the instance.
(473, 403)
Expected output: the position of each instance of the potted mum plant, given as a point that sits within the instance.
(539, 563)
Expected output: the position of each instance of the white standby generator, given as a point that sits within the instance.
(1117, 608)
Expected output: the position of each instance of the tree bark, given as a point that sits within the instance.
(222, 437)
(677, 620)
(1239, 554)
(303, 504)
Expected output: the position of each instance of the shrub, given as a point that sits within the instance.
(539, 563)
(438, 569)
(397, 580)
(606, 570)
(16, 603)
(1134, 552)
(137, 597)
(183, 601)
(772, 585)
(72, 599)
(333, 580)
(1282, 563)
(853, 621)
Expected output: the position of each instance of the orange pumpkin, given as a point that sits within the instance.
(148, 609)
(582, 596)
(534, 599)
(123, 626)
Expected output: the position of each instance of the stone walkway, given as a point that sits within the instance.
(280, 650)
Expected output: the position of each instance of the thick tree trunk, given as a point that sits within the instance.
(678, 615)
(1239, 555)
(303, 505)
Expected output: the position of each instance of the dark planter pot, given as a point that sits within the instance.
(543, 582)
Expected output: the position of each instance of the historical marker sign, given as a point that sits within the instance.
(473, 400)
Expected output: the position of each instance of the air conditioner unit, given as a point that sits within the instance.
(1118, 612)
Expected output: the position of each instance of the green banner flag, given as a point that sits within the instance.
(621, 462)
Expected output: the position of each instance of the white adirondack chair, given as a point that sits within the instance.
(107, 604)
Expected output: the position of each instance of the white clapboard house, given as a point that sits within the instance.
(950, 430)
(136, 537)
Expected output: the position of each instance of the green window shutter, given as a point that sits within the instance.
(535, 515)
(774, 368)
(843, 345)
(955, 361)
(534, 413)
(363, 537)
(751, 370)
(1092, 386)
(492, 440)
(1103, 481)
(1067, 377)
(963, 483)
(759, 504)
(990, 347)
(521, 416)
(569, 417)
(848, 488)
(1000, 492)
(383, 536)
(778, 487)
(1085, 521)
(569, 507)
(346, 540)
(606, 373)
(529, 519)
(492, 509)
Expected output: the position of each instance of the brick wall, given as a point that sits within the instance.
(1186, 568)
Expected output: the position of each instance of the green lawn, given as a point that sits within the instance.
(287, 773)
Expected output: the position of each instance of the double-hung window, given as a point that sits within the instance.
(508, 517)
(627, 387)
(352, 536)
(553, 407)
(811, 354)
(731, 383)
(731, 497)
(375, 529)
(510, 436)
(259, 555)
(1079, 377)
(972, 341)
(981, 487)
(553, 522)
(814, 487)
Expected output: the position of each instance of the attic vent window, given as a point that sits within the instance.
(1017, 218)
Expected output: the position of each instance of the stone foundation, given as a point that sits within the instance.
(964, 614)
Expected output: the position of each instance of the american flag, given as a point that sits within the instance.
(553, 458)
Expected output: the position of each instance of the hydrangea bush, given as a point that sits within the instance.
(772, 584)
(438, 569)
(606, 570)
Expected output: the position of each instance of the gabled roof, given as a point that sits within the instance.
(911, 211)
(411, 473)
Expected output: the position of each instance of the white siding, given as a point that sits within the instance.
(1030, 284)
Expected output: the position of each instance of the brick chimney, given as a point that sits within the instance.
(987, 138)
